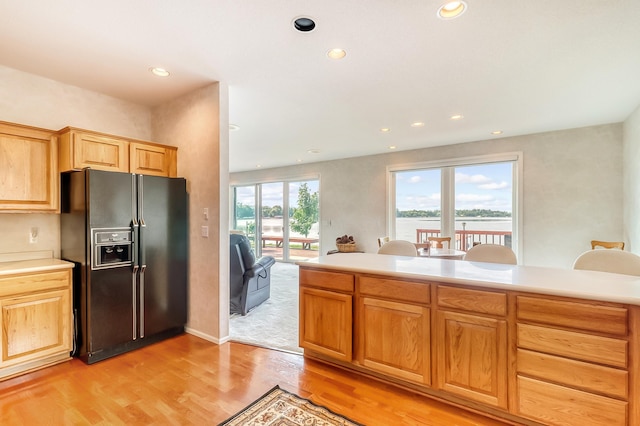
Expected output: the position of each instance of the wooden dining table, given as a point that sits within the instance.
(441, 253)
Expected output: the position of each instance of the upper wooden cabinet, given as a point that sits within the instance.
(154, 160)
(28, 169)
(82, 148)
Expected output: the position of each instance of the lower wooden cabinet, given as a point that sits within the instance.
(395, 339)
(35, 319)
(552, 404)
(472, 357)
(572, 362)
(326, 322)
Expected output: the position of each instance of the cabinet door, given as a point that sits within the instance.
(472, 357)
(35, 326)
(395, 339)
(326, 322)
(99, 152)
(152, 160)
(28, 169)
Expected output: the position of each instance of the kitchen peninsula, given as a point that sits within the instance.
(531, 345)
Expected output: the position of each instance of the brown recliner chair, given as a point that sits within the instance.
(249, 280)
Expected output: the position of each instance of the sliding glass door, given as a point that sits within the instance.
(280, 218)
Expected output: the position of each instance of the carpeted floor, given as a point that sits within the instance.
(274, 323)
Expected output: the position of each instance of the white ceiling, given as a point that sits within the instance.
(521, 66)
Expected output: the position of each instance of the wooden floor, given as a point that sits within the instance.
(187, 380)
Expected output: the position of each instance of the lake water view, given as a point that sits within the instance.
(405, 226)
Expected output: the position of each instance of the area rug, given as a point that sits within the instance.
(281, 408)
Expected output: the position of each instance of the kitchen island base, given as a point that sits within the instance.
(524, 357)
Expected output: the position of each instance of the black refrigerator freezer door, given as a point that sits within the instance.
(110, 310)
(163, 253)
(111, 199)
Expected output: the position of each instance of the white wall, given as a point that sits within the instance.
(631, 168)
(572, 190)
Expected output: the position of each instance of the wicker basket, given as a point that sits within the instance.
(346, 248)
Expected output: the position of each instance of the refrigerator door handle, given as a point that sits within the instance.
(134, 216)
(135, 302)
(140, 199)
(142, 270)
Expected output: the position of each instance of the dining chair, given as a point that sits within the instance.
(399, 248)
(491, 253)
(382, 241)
(618, 261)
(607, 244)
(437, 242)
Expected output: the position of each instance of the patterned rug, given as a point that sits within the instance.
(281, 408)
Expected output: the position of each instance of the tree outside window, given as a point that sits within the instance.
(305, 214)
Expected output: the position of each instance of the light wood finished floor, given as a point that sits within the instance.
(187, 380)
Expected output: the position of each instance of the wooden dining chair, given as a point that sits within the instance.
(607, 244)
(438, 242)
(382, 241)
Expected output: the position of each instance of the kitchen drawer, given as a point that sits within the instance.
(556, 405)
(327, 280)
(576, 374)
(579, 346)
(583, 316)
(388, 288)
(478, 301)
(34, 282)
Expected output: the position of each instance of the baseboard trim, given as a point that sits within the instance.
(205, 336)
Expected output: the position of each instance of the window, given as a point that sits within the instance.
(472, 200)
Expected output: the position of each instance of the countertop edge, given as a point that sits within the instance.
(590, 285)
(36, 265)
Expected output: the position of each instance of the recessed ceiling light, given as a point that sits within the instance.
(233, 127)
(385, 130)
(456, 117)
(258, 166)
(299, 160)
(496, 132)
(417, 124)
(304, 24)
(336, 53)
(313, 151)
(392, 147)
(452, 9)
(160, 72)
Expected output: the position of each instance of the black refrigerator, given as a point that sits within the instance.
(128, 237)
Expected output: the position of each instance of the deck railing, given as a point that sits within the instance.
(466, 239)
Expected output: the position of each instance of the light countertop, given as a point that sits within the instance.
(34, 265)
(591, 285)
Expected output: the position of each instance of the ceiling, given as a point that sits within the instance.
(519, 66)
